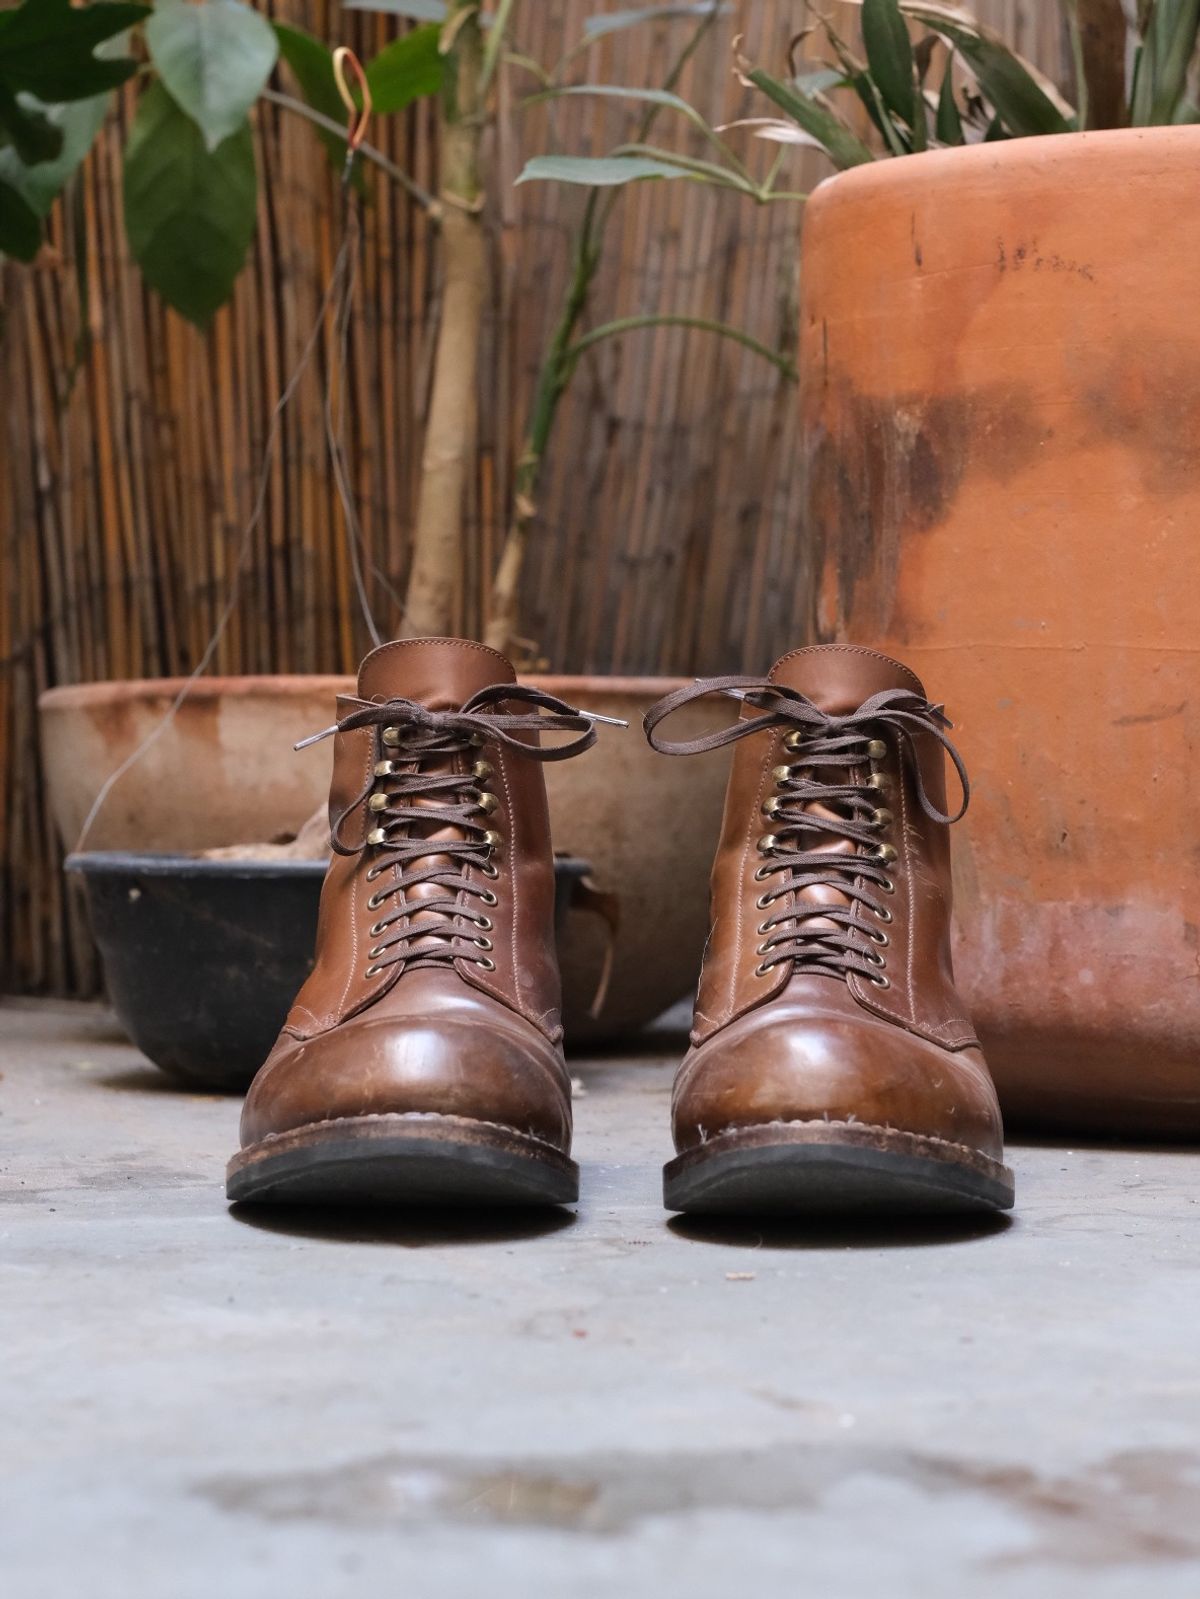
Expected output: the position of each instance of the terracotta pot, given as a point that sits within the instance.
(224, 772)
(1002, 394)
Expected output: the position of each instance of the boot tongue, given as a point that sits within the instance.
(441, 673)
(837, 678)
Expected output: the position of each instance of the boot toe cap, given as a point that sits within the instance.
(412, 1067)
(771, 1068)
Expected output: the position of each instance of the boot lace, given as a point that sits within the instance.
(427, 779)
(833, 790)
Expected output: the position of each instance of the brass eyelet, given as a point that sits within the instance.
(375, 901)
(767, 843)
(883, 913)
(492, 839)
(385, 768)
(487, 803)
(488, 898)
(881, 981)
(475, 740)
(876, 749)
(885, 854)
(761, 970)
(882, 817)
(888, 886)
(877, 937)
(762, 873)
(376, 952)
(875, 960)
(482, 771)
(373, 872)
(485, 924)
(880, 782)
(391, 736)
(490, 869)
(376, 930)
(763, 949)
(771, 806)
(377, 836)
(482, 943)
(782, 774)
(794, 740)
(377, 802)
(764, 902)
(372, 971)
(487, 964)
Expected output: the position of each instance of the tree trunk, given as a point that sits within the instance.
(438, 542)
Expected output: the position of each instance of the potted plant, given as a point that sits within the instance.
(190, 181)
(1000, 381)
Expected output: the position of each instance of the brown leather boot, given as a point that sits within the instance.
(422, 1060)
(832, 1065)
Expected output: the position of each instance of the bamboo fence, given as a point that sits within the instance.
(131, 444)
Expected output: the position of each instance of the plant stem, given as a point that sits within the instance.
(629, 324)
(555, 373)
(437, 557)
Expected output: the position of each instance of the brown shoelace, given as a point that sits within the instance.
(408, 804)
(815, 795)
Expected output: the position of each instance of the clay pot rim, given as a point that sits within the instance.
(115, 691)
(1035, 149)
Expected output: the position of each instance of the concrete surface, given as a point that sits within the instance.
(606, 1403)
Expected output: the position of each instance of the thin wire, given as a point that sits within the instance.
(264, 479)
(333, 419)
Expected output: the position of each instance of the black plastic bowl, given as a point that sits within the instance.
(203, 958)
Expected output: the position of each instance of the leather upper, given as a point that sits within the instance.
(457, 1039)
(774, 1042)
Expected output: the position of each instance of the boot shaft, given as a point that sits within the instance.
(506, 948)
(897, 961)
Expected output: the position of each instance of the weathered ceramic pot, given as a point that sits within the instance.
(1001, 390)
(224, 772)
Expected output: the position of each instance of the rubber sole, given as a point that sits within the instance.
(418, 1160)
(833, 1168)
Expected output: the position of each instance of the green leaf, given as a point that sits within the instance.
(844, 148)
(189, 211)
(46, 48)
(311, 64)
(1166, 55)
(819, 80)
(214, 58)
(409, 68)
(1022, 103)
(41, 183)
(417, 10)
(20, 230)
(890, 59)
(597, 172)
(611, 22)
(618, 91)
(949, 126)
(29, 131)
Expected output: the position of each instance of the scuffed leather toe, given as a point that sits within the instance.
(778, 1064)
(437, 1065)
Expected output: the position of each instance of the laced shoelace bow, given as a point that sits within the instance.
(815, 796)
(409, 805)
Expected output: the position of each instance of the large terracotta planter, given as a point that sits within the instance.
(1002, 400)
(224, 771)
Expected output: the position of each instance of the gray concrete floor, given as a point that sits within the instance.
(604, 1403)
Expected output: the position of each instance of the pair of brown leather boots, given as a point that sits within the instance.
(832, 1066)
